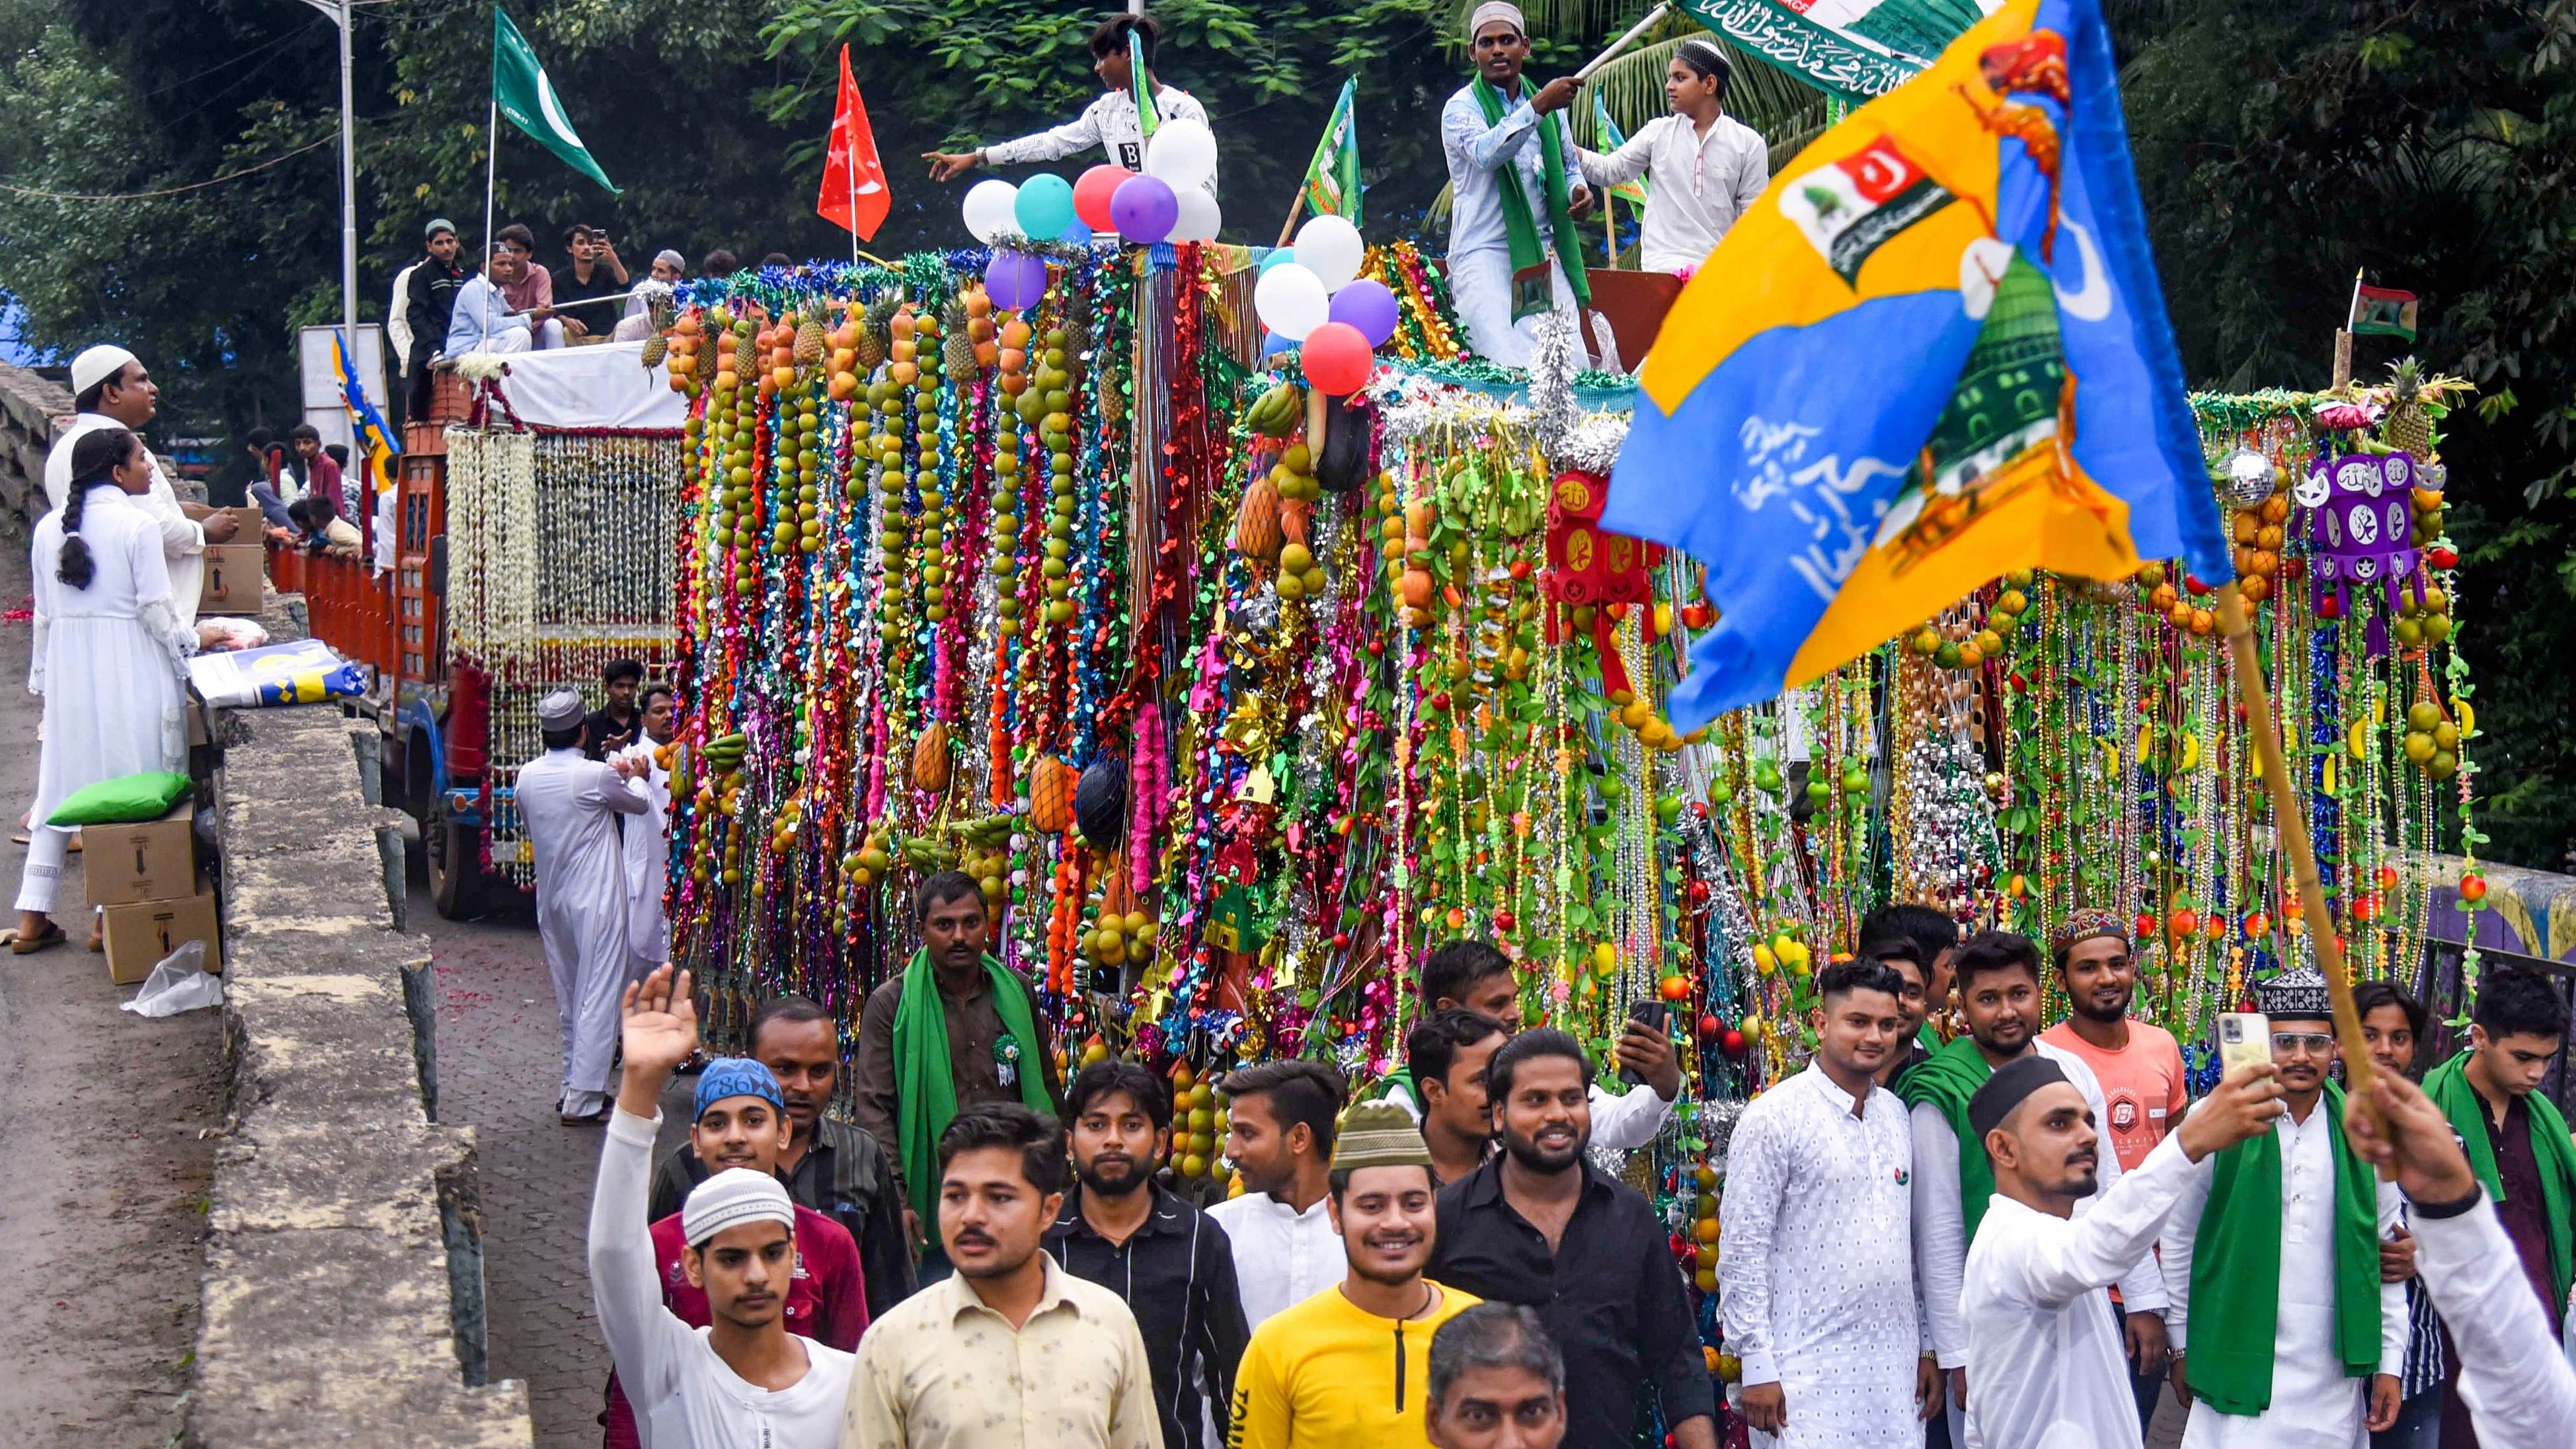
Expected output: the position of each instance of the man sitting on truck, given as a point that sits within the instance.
(483, 320)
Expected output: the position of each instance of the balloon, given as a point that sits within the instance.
(1182, 153)
(1015, 280)
(1275, 257)
(1198, 218)
(1144, 209)
(1337, 359)
(1091, 194)
(991, 208)
(1076, 234)
(1290, 301)
(1272, 342)
(1045, 206)
(1367, 305)
(1330, 247)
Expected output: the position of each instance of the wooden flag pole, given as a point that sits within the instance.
(1296, 209)
(2290, 829)
(2343, 337)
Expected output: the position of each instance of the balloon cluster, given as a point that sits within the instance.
(1170, 200)
(1312, 296)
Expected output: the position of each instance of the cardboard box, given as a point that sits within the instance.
(154, 860)
(233, 578)
(139, 934)
(250, 525)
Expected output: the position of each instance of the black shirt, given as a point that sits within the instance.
(604, 727)
(1177, 1274)
(429, 298)
(1610, 1295)
(572, 296)
(844, 1176)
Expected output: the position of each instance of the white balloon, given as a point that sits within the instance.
(1199, 217)
(992, 208)
(1182, 153)
(1291, 301)
(1330, 247)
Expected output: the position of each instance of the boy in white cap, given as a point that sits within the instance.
(1517, 187)
(112, 390)
(569, 803)
(743, 1380)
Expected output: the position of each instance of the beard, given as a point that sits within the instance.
(1097, 1176)
(1549, 1161)
(2004, 1037)
(2092, 1010)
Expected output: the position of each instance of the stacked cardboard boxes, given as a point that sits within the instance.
(143, 881)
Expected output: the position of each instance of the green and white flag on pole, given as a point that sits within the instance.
(1333, 176)
(521, 92)
(1148, 119)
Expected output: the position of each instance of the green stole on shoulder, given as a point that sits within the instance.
(2236, 1268)
(1520, 226)
(925, 1080)
(2448, 1086)
(1947, 1079)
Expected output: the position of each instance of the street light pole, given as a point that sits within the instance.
(339, 12)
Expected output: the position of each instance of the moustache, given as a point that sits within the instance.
(970, 1238)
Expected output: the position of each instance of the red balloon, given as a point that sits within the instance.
(1337, 359)
(1092, 192)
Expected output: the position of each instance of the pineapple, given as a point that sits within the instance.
(811, 345)
(957, 345)
(746, 356)
(656, 348)
(2409, 427)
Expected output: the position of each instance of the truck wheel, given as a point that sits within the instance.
(455, 873)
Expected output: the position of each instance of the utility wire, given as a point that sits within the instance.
(172, 190)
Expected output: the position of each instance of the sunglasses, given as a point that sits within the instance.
(2314, 1041)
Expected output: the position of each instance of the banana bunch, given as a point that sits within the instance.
(987, 833)
(724, 753)
(927, 853)
(1276, 413)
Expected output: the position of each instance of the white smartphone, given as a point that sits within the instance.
(2243, 1036)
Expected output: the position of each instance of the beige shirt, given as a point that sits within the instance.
(942, 1371)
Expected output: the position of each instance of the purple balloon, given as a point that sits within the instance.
(1367, 305)
(1015, 280)
(1144, 209)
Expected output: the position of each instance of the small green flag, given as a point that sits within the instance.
(524, 95)
(1146, 119)
(1333, 176)
(1612, 138)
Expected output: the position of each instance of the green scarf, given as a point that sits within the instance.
(2236, 1269)
(927, 1084)
(1947, 1079)
(1520, 227)
(2448, 1086)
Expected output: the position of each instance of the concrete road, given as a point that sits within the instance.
(103, 1123)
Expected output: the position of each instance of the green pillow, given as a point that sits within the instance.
(144, 796)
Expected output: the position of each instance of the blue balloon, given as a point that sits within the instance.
(1278, 257)
(1044, 206)
(1272, 342)
(1079, 234)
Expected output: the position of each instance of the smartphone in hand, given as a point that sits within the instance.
(2243, 1037)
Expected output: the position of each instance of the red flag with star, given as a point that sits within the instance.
(854, 192)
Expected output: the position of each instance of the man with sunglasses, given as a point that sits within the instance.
(2283, 1334)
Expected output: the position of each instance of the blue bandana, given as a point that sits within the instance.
(735, 1077)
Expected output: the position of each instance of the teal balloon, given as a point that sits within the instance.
(1045, 206)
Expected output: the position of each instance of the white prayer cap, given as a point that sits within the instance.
(96, 365)
(731, 1198)
(1493, 10)
(561, 710)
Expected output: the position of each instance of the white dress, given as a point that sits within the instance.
(1816, 1270)
(647, 845)
(109, 657)
(566, 801)
(183, 539)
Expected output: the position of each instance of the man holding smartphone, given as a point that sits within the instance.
(595, 272)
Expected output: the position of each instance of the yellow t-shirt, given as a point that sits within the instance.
(1326, 1375)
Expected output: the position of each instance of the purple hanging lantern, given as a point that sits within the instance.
(2361, 534)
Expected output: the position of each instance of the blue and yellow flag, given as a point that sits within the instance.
(373, 437)
(1612, 138)
(1932, 353)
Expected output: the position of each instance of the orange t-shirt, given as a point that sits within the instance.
(2141, 1085)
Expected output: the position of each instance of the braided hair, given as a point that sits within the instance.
(96, 455)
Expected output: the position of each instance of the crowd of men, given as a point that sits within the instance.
(2012, 1245)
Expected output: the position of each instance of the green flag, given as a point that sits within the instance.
(1612, 138)
(1146, 119)
(1333, 177)
(523, 94)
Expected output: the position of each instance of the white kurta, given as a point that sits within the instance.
(1482, 160)
(2314, 1405)
(1626, 1122)
(183, 540)
(1282, 1257)
(567, 802)
(1696, 185)
(107, 660)
(2518, 1389)
(1815, 1276)
(1941, 1235)
(647, 847)
(2051, 1371)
